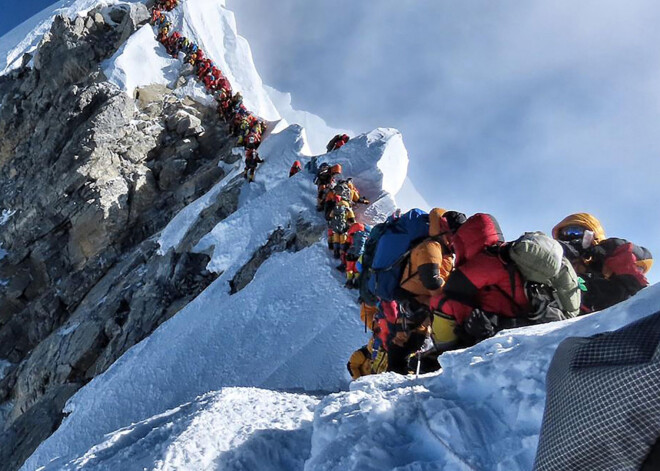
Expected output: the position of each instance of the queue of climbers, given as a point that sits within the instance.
(245, 126)
(433, 282)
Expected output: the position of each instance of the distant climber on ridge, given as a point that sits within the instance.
(252, 161)
(336, 142)
(295, 168)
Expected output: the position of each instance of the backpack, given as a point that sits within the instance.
(359, 242)
(551, 283)
(367, 259)
(386, 251)
(338, 222)
(343, 189)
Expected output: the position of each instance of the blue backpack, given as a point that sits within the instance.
(359, 242)
(396, 238)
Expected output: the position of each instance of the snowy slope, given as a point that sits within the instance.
(185, 397)
(291, 328)
(483, 412)
(141, 61)
(235, 428)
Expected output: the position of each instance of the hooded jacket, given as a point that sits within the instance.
(585, 220)
(481, 278)
(360, 362)
(613, 269)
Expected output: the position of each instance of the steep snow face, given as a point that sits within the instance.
(355, 158)
(26, 36)
(483, 412)
(235, 428)
(213, 28)
(293, 327)
(141, 61)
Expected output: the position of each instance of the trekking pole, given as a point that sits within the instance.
(419, 363)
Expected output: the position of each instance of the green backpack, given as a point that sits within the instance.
(339, 223)
(551, 282)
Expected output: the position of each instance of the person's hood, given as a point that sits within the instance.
(437, 223)
(585, 220)
(479, 231)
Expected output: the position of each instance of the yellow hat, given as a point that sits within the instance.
(585, 220)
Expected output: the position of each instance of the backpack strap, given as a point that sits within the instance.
(411, 273)
(512, 279)
(365, 352)
(397, 262)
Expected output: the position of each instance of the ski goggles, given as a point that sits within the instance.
(571, 233)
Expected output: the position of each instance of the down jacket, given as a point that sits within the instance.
(430, 262)
(615, 271)
(360, 362)
(612, 269)
(481, 278)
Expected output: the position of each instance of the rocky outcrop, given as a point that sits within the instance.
(292, 238)
(25, 435)
(91, 176)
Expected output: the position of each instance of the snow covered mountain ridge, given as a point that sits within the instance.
(209, 327)
(121, 208)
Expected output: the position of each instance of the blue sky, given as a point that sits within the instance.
(15, 12)
(528, 110)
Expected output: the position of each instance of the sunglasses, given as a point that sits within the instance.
(571, 233)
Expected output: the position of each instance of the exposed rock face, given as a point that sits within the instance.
(296, 238)
(93, 175)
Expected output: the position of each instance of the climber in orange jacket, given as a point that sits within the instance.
(360, 362)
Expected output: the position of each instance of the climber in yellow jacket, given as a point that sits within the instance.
(360, 362)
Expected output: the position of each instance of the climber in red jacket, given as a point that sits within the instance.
(336, 142)
(295, 168)
(484, 293)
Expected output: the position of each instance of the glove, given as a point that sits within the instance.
(479, 325)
